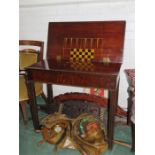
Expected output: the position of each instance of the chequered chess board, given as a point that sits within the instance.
(82, 66)
(81, 55)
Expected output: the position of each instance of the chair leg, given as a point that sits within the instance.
(24, 112)
(133, 136)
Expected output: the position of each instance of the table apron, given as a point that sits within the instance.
(74, 79)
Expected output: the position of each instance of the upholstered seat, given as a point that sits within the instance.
(23, 94)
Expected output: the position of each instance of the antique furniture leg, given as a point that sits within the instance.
(111, 116)
(129, 106)
(51, 106)
(130, 74)
(48, 99)
(132, 119)
(24, 112)
(33, 104)
(117, 96)
(129, 111)
(133, 136)
(49, 94)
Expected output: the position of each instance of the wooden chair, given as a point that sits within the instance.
(30, 52)
(130, 74)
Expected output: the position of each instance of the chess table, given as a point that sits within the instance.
(85, 54)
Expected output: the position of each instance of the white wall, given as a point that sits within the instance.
(35, 15)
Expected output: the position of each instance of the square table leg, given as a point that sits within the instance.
(111, 116)
(49, 94)
(33, 104)
(50, 106)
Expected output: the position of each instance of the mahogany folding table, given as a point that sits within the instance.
(100, 42)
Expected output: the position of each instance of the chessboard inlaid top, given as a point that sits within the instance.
(105, 37)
